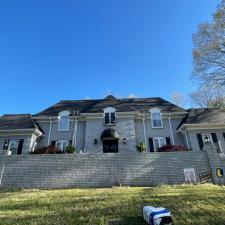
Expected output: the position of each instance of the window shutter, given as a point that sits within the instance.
(6, 144)
(151, 146)
(113, 118)
(53, 143)
(215, 142)
(168, 141)
(20, 147)
(70, 142)
(200, 142)
(106, 118)
(214, 138)
(224, 135)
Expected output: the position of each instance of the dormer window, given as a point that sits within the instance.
(64, 121)
(156, 118)
(110, 116)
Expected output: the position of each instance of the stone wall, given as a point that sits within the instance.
(100, 170)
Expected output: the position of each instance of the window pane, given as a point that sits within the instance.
(157, 123)
(14, 146)
(58, 145)
(63, 123)
(162, 142)
(156, 119)
(113, 118)
(106, 118)
(156, 144)
(64, 144)
(207, 140)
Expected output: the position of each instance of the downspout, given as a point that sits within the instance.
(171, 131)
(185, 133)
(143, 119)
(50, 130)
(3, 168)
(75, 132)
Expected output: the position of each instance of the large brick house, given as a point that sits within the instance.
(113, 125)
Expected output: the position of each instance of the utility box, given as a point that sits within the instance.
(157, 215)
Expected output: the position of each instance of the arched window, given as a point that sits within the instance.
(62, 144)
(110, 116)
(63, 121)
(156, 118)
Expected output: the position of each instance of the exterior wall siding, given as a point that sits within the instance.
(26, 145)
(193, 141)
(100, 170)
(125, 127)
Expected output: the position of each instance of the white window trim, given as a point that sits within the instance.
(155, 110)
(110, 110)
(157, 138)
(64, 114)
(61, 143)
(210, 138)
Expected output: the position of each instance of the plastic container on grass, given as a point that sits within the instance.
(157, 216)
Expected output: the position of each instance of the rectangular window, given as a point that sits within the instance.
(156, 120)
(110, 118)
(158, 143)
(207, 139)
(113, 118)
(107, 118)
(13, 146)
(63, 123)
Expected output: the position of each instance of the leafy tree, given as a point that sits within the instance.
(209, 50)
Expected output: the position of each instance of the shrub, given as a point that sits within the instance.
(51, 149)
(70, 149)
(173, 148)
(142, 147)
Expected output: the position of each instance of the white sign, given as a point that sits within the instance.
(189, 174)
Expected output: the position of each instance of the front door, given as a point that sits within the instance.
(110, 146)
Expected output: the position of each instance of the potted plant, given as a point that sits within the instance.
(70, 149)
(142, 147)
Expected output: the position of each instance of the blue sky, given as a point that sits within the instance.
(54, 50)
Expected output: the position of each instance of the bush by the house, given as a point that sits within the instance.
(70, 149)
(51, 149)
(142, 147)
(173, 148)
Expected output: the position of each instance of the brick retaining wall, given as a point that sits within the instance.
(100, 170)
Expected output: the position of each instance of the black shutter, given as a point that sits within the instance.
(53, 143)
(6, 144)
(214, 138)
(168, 141)
(151, 146)
(106, 118)
(224, 135)
(113, 118)
(215, 142)
(20, 147)
(200, 141)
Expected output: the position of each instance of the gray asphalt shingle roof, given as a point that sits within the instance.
(121, 105)
(203, 115)
(17, 121)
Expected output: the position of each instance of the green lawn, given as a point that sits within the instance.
(190, 204)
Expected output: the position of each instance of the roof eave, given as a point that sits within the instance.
(185, 127)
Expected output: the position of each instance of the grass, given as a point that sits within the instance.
(189, 204)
